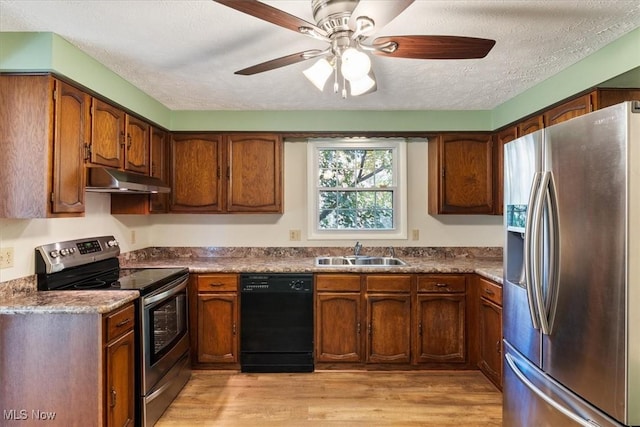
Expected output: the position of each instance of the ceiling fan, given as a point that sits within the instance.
(347, 25)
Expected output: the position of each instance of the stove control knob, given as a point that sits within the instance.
(72, 250)
(64, 252)
(54, 254)
(112, 243)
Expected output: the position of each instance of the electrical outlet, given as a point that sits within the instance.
(415, 234)
(294, 235)
(6, 257)
(133, 237)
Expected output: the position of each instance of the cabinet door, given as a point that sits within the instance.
(120, 399)
(254, 173)
(195, 173)
(570, 109)
(72, 132)
(501, 138)
(441, 329)
(530, 125)
(107, 134)
(491, 341)
(159, 153)
(338, 327)
(461, 174)
(388, 328)
(137, 145)
(217, 328)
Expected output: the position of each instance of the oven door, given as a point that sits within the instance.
(165, 332)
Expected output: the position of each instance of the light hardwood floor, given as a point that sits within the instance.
(330, 398)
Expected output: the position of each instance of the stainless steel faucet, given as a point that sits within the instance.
(356, 249)
(392, 252)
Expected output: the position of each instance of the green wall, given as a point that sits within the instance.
(47, 52)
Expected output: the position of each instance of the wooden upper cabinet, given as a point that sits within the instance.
(136, 158)
(604, 98)
(159, 168)
(461, 174)
(501, 138)
(195, 173)
(45, 125)
(568, 110)
(530, 125)
(254, 173)
(107, 134)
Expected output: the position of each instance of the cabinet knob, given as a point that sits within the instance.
(113, 397)
(498, 346)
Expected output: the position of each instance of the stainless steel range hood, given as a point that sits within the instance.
(106, 180)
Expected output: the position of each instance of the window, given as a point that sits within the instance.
(357, 188)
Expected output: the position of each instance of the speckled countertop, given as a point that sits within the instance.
(21, 295)
(99, 302)
(491, 269)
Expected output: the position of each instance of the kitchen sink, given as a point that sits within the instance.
(359, 261)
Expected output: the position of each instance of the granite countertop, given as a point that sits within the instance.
(21, 295)
(491, 269)
(98, 302)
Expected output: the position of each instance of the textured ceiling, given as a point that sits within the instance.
(184, 53)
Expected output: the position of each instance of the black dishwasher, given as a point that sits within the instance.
(276, 319)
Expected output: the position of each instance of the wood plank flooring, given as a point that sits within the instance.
(330, 398)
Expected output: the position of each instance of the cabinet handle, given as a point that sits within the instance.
(128, 141)
(122, 139)
(234, 329)
(113, 397)
(441, 285)
(215, 285)
(420, 329)
(498, 346)
(358, 328)
(489, 292)
(369, 328)
(122, 323)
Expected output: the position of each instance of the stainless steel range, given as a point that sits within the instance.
(162, 333)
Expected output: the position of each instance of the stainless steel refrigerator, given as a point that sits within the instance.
(571, 316)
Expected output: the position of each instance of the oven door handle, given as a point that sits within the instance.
(166, 294)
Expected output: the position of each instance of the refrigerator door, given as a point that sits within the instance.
(587, 348)
(523, 167)
(532, 398)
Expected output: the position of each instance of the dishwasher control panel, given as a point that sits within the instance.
(284, 282)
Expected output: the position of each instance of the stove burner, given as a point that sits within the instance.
(95, 284)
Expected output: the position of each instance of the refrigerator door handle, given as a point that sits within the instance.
(551, 298)
(512, 364)
(539, 210)
(529, 234)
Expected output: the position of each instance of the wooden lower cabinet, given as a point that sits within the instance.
(441, 319)
(68, 369)
(338, 317)
(388, 318)
(120, 368)
(490, 314)
(216, 325)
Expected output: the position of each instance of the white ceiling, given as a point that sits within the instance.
(184, 53)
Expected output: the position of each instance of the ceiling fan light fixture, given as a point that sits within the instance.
(355, 64)
(363, 85)
(319, 73)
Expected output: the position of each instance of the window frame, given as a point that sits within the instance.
(399, 171)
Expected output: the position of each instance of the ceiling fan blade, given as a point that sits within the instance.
(280, 62)
(275, 16)
(380, 12)
(434, 47)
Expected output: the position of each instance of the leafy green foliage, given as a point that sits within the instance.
(355, 191)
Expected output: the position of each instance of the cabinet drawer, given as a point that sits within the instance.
(388, 283)
(490, 291)
(120, 322)
(217, 282)
(338, 282)
(441, 283)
